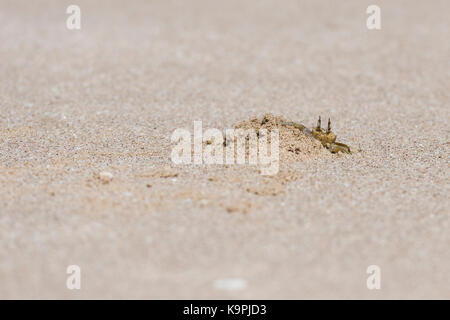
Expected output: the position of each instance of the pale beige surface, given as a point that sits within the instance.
(107, 98)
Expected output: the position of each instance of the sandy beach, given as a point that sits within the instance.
(86, 176)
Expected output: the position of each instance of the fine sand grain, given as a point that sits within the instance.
(86, 176)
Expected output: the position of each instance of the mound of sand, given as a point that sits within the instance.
(294, 145)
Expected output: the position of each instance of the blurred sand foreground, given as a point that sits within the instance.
(106, 98)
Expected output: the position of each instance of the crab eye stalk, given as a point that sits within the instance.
(329, 126)
(318, 123)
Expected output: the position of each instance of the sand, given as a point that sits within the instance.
(86, 176)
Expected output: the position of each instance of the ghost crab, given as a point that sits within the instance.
(326, 137)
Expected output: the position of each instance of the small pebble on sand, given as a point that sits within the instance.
(105, 177)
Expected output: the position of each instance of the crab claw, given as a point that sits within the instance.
(336, 147)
